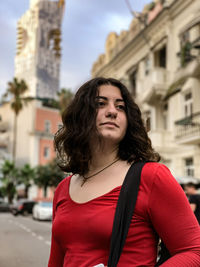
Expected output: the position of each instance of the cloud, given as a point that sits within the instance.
(7, 52)
(85, 29)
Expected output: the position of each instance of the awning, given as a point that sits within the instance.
(187, 179)
(175, 88)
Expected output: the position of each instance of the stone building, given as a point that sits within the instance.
(36, 126)
(4, 141)
(37, 62)
(158, 58)
(38, 53)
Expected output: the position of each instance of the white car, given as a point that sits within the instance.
(43, 211)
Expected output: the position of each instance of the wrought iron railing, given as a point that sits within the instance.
(188, 126)
(187, 52)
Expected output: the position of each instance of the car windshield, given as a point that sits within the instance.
(46, 204)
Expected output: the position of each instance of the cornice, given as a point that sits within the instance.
(138, 42)
(162, 21)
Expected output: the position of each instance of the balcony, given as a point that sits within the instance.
(42, 134)
(190, 63)
(4, 135)
(4, 126)
(4, 140)
(162, 139)
(188, 130)
(155, 85)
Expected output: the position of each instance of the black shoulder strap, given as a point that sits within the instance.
(124, 212)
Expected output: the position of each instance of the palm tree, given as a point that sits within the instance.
(48, 175)
(15, 91)
(10, 174)
(26, 177)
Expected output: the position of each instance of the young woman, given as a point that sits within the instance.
(102, 135)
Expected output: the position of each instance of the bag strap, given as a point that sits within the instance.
(124, 212)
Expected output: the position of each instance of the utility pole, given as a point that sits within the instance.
(142, 20)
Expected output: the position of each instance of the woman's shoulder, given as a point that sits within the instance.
(62, 186)
(155, 167)
(154, 172)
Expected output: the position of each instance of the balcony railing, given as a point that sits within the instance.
(155, 85)
(188, 129)
(161, 139)
(42, 134)
(189, 52)
(4, 140)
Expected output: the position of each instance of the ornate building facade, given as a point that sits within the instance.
(38, 54)
(37, 62)
(158, 58)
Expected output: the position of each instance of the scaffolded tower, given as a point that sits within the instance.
(38, 53)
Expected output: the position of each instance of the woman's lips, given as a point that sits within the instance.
(110, 123)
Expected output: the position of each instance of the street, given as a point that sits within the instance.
(23, 241)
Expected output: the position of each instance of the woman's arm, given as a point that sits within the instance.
(56, 258)
(174, 221)
(56, 255)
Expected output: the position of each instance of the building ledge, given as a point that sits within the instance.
(42, 134)
(156, 85)
(188, 130)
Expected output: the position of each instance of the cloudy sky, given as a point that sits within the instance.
(85, 27)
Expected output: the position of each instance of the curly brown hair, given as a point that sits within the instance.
(72, 141)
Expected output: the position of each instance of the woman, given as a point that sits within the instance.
(102, 135)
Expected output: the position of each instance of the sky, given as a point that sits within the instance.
(86, 25)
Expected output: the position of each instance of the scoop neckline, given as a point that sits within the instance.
(91, 200)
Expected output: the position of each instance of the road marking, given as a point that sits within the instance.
(48, 243)
(40, 237)
(25, 228)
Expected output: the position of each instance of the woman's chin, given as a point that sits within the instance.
(110, 139)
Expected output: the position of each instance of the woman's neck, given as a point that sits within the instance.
(102, 156)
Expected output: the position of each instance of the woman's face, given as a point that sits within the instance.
(111, 120)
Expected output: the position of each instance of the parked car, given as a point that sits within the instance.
(23, 206)
(43, 211)
(4, 206)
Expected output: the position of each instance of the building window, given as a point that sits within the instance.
(60, 125)
(47, 126)
(185, 37)
(160, 58)
(147, 65)
(188, 104)
(133, 79)
(46, 152)
(165, 116)
(51, 44)
(189, 167)
(147, 119)
(185, 49)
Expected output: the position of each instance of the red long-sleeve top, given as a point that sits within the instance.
(81, 232)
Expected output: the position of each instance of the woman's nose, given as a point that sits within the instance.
(111, 112)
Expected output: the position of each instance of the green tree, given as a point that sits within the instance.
(26, 177)
(16, 90)
(48, 175)
(65, 97)
(57, 174)
(186, 53)
(10, 174)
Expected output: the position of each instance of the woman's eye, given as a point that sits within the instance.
(100, 104)
(121, 107)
